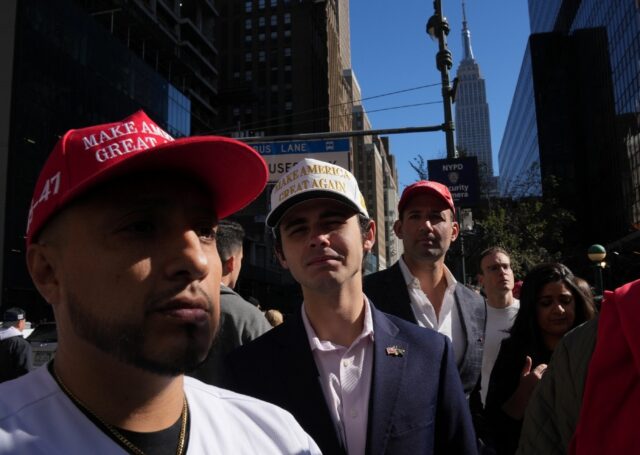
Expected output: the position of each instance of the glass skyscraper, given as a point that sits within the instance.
(575, 116)
(70, 68)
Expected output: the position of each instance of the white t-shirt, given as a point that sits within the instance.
(37, 417)
(499, 321)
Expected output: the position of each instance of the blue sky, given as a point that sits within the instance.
(390, 51)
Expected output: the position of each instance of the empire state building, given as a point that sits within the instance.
(473, 135)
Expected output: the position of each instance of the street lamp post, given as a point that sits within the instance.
(438, 28)
(596, 254)
(465, 221)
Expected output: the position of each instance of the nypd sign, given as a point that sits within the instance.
(460, 175)
(282, 156)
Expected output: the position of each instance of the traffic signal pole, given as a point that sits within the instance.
(341, 134)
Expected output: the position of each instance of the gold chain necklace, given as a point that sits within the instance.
(184, 417)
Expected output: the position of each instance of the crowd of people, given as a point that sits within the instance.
(157, 353)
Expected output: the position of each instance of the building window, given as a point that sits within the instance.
(274, 35)
(261, 22)
(287, 33)
(274, 3)
(262, 56)
(260, 36)
(287, 18)
(288, 106)
(247, 24)
(248, 38)
(287, 52)
(274, 20)
(236, 74)
(261, 4)
(248, 6)
(247, 57)
(248, 75)
(236, 112)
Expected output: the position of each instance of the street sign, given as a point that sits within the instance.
(460, 175)
(281, 156)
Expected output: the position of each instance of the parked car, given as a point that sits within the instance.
(28, 329)
(44, 342)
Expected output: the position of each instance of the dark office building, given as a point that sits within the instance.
(575, 116)
(73, 63)
(281, 67)
(281, 73)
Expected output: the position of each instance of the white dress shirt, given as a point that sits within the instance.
(448, 321)
(345, 378)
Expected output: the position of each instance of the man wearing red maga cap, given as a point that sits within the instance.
(121, 241)
(421, 289)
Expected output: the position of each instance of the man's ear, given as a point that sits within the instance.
(455, 230)
(42, 265)
(229, 265)
(397, 229)
(280, 256)
(480, 278)
(370, 237)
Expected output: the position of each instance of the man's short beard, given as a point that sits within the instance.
(126, 342)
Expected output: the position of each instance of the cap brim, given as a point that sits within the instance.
(234, 173)
(273, 219)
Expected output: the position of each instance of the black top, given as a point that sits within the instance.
(505, 377)
(163, 442)
(15, 357)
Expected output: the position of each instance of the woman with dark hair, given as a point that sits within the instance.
(551, 304)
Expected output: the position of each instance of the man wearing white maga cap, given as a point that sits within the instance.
(397, 392)
(313, 178)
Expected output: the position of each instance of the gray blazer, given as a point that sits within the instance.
(388, 292)
(554, 408)
(240, 322)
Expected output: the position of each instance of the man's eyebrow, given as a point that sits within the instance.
(288, 224)
(429, 210)
(293, 222)
(333, 212)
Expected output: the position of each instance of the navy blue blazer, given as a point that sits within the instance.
(416, 405)
(387, 290)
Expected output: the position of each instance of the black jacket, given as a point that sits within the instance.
(417, 405)
(15, 357)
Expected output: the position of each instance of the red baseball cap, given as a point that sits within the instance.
(234, 173)
(426, 187)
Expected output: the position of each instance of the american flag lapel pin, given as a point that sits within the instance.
(394, 351)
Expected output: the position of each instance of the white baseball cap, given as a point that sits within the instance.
(310, 179)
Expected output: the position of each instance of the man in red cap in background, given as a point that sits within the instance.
(421, 289)
(121, 241)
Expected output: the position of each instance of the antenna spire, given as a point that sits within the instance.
(466, 34)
